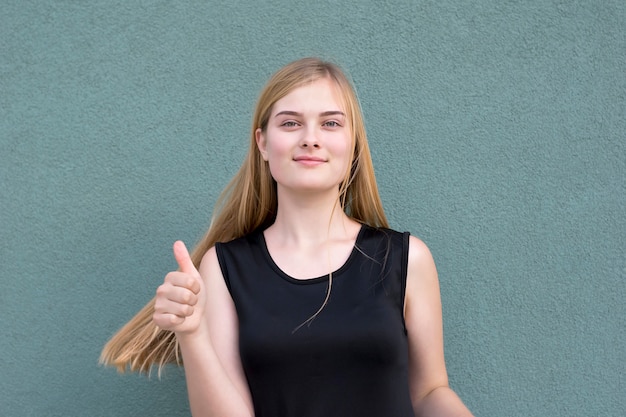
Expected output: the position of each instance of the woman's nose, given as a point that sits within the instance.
(309, 138)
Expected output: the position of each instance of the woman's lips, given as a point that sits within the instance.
(309, 160)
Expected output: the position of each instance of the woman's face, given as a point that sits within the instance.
(307, 141)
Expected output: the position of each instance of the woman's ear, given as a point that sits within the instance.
(261, 142)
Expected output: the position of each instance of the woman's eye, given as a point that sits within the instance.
(332, 123)
(289, 123)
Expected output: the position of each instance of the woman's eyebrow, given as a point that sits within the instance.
(323, 114)
(333, 113)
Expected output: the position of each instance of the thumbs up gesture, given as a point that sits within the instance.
(179, 302)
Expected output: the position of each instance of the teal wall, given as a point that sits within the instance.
(497, 131)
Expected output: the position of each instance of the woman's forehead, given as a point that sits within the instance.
(319, 96)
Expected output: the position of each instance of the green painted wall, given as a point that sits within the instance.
(497, 130)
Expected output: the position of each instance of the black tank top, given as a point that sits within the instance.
(352, 359)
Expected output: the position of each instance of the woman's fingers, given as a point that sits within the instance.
(179, 293)
(183, 259)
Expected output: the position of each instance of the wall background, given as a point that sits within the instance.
(497, 130)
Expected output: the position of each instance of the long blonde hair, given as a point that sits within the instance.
(249, 202)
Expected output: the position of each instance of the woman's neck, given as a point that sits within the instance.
(309, 219)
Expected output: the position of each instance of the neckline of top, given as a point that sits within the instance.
(315, 280)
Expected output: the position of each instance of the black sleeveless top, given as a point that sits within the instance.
(352, 359)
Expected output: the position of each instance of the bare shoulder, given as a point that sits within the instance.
(420, 258)
(209, 265)
(217, 290)
(221, 315)
(209, 256)
(422, 282)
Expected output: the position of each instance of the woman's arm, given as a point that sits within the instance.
(430, 393)
(197, 306)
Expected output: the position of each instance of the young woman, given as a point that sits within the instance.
(299, 301)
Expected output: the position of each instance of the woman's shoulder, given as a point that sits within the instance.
(386, 235)
(241, 241)
(383, 231)
(418, 251)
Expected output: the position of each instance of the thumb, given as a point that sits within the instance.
(182, 257)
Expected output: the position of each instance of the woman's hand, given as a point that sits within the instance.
(180, 300)
(199, 309)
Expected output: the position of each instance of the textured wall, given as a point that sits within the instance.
(497, 130)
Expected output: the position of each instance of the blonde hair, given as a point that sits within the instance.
(249, 202)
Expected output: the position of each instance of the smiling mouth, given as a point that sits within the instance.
(310, 159)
